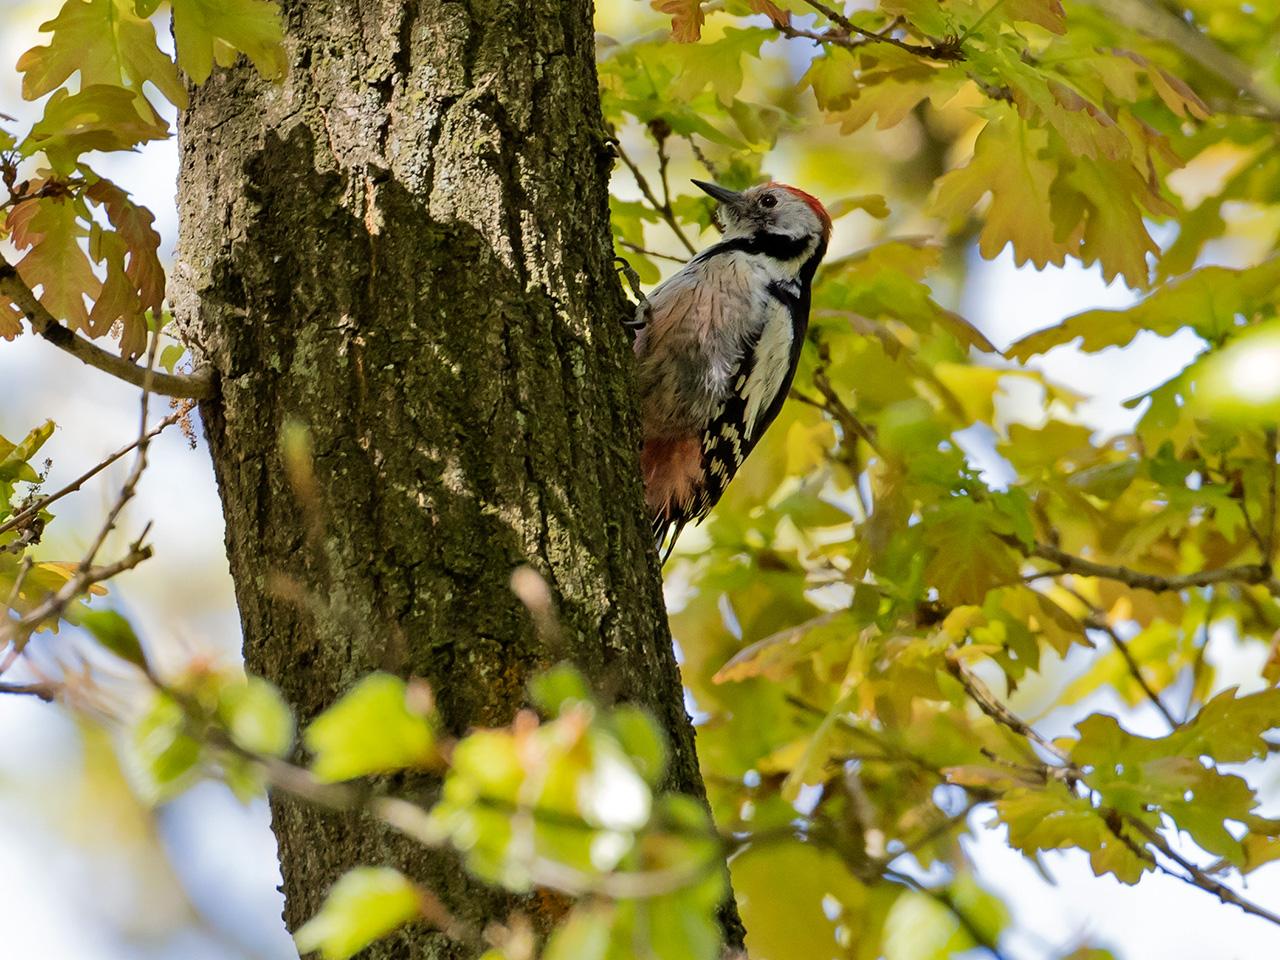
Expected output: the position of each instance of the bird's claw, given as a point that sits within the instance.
(637, 321)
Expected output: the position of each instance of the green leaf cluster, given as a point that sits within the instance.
(884, 601)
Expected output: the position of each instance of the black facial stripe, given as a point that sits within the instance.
(775, 245)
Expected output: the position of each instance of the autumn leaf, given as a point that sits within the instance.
(1208, 300)
(686, 18)
(1008, 164)
(99, 117)
(1051, 819)
(771, 10)
(967, 558)
(135, 278)
(1045, 13)
(1174, 91)
(50, 230)
(1115, 200)
(10, 318)
(718, 64)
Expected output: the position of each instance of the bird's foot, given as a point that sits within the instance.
(637, 321)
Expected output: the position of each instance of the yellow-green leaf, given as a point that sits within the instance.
(373, 729)
(257, 717)
(209, 31)
(108, 43)
(1007, 164)
(49, 229)
(98, 117)
(366, 904)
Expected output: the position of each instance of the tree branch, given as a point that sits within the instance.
(1250, 573)
(997, 711)
(190, 386)
(44, 691)
(1194, 875)
(662, 209)
(1114, 818)
(851, 36)
(22, 517)
(1135, 669)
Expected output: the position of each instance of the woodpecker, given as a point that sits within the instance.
(717, 346)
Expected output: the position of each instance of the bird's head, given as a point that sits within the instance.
(770, 208)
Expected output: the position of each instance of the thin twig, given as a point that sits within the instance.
(947, 50)
(1194, 875)
(650, 253)
(835, 405)
(20, 518)
(1135, 669)
(663, 210)
(701, 157)
(997, 711)
(130, 486)
(191, 386)
(1250, 573)
(16, 631)
(47, 692)
(86, 574)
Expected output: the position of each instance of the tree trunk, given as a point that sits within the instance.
(405, 248)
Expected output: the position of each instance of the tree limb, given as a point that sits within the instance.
(851, 36)
(189, 386)
(1193, 874)
(1249, 573)
(23, 516)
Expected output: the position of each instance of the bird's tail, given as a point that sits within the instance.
(666, 531)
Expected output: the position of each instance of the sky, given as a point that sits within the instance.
(85, 874)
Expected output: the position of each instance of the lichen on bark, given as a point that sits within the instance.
(404, 247)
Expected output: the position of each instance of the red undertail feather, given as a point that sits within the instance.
(672, 470)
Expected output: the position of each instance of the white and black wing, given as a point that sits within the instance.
(757, 391)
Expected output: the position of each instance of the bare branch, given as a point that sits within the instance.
(47, 692)
(662, 209)
(1251, 573)
(192, 386)
(851, 36)
(1193, 874)
(650, 253)
(997, 711)
(20, 518)
(1135, 670)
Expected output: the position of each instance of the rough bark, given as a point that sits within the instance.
(404, 247)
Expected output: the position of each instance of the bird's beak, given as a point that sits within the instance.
(724, 195)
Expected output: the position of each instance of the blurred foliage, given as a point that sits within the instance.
(931, 550)
(25, 583)
(868, 597)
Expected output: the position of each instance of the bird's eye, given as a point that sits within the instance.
(768, 200)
